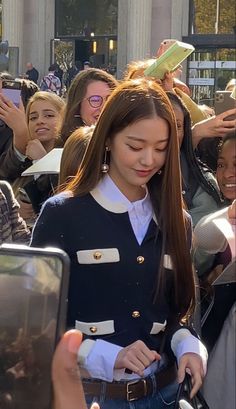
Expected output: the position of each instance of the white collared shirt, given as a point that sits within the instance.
(140, 212)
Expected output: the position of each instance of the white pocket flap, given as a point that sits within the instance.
(95, 328)
(98, 256)
(167, 262)
(158, 327)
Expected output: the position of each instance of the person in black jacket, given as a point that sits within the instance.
(122, 223)
(32, 74)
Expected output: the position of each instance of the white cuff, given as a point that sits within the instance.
(184, 342)
(101, 360)
(19, 155)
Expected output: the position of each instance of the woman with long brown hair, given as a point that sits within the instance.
(121, 220)
(86, 97)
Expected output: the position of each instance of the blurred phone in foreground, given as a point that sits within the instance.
(170, 60)
(224, 100)
(33, 300)
(12, 90)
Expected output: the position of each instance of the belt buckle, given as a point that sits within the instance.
(130, 392)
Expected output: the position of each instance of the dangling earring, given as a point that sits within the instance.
(105, 166)
(159, 172)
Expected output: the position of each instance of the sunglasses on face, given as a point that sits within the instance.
(96, 101)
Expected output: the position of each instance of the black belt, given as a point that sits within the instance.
(132, 390)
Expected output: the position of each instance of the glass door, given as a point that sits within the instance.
(208, 71)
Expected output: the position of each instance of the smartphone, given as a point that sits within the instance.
(169, 60)
(223, 102)
(12, 90)
(33, 301)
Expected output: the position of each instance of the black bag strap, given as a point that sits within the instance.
(198, 401)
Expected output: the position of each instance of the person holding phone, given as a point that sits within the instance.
(122, 223)
(202, 126)
(67, 385)
(14, 131)
(42, 118)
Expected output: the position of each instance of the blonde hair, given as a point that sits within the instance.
(50, 97)
(230, 85)
(136, 68)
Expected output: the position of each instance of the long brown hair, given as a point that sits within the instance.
(76, 93)
(73, 153)
(132, 101)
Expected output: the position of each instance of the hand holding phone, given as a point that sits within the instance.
(170, 60)
(12, 90)
(224, 102)
(165, 44)
(33, 300)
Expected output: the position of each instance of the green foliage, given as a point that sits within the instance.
(205, 16)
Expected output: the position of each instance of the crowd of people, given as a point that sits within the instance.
(135, 206)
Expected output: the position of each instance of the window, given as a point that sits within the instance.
(213, 17)
(83, 18)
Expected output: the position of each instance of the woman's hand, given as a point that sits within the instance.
(168, 82)
(232, 212)
(191, 363)
(13, 116)
(165, 44)
(15, 119)
(35, 150)
(67, 385)
(217, 126)
(136, 357)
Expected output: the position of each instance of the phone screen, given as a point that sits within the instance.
(33, 293)
(224, 102)
(12, 90)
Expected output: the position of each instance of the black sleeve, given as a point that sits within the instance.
(11, 167)
(48, 230)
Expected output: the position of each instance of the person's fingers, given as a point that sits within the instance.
(181, 371)
(136, 357)
(229, 124)
(227, 113)
(192, 364)
(67, 350)
(6, 101)
(133, 364)
(196, 380)
(21, 105)
(67, 386)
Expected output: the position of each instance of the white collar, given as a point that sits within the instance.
(108, 195)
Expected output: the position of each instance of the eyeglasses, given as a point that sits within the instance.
(96, 101)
